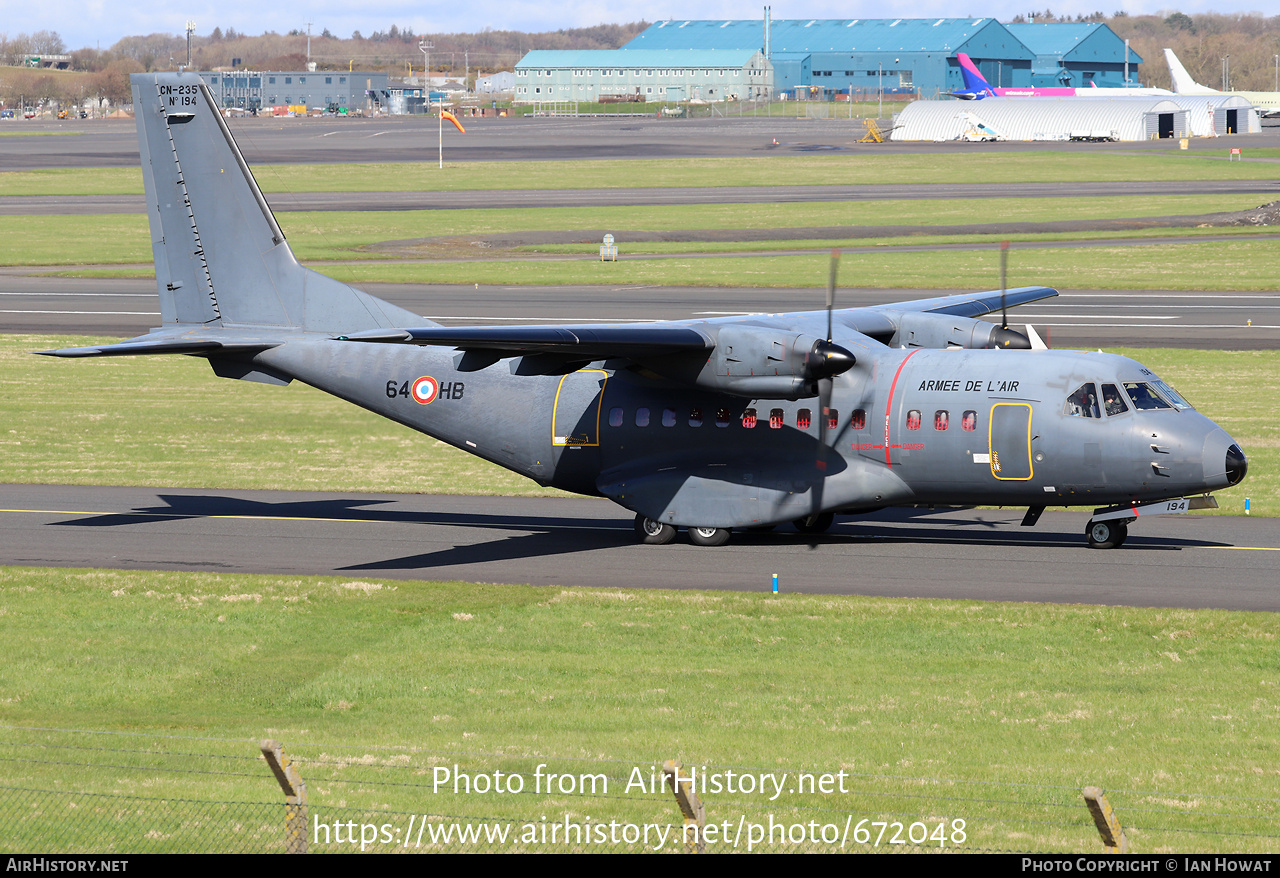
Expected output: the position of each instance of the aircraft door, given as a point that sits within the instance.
(1009, 441)
(575, 430)
(575, 418)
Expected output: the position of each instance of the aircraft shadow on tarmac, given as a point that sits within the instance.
(540, 536)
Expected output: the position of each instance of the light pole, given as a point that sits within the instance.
(426, 65)
(880, 89)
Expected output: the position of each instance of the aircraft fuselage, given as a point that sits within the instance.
(914, 426)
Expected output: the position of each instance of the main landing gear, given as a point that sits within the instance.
(654, 533)
(657, 533)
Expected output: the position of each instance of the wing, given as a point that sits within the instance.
(974, 304)
(594, 342)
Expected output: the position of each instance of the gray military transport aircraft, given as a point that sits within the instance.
(709, 425)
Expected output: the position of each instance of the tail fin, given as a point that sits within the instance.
(1183, 84)
(221, 258)
(974, 82)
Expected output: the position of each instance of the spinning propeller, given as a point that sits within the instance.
(1011, 338)
(827, 360)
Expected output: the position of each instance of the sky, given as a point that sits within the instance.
(100, 23)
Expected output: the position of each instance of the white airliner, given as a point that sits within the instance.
(1266, 102)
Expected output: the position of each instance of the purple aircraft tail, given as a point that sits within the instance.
(976, 86)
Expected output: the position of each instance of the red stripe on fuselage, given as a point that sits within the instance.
(888, 406)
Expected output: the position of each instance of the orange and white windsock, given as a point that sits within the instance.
(445, 114)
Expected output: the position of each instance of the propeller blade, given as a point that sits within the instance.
(1004, 265)
(824, 410)
(831, 289)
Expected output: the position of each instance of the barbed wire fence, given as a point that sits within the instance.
(81, 791)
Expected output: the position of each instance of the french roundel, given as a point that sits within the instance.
(424, 390)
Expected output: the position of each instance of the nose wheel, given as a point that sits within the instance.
(1106, 534)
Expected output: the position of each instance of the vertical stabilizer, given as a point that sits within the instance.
(221, 258)
(1183, 84)
(976, 86)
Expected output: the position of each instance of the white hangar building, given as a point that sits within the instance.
(1120, 118)
(1218, 114)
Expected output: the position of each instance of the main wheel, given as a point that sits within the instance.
(708, 536)
(1105, 534)
(815, 524)
(654, 533)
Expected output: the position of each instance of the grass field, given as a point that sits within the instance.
(330, 235)
(992, 713)
(860, 165)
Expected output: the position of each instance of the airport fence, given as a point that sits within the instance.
(77, 791)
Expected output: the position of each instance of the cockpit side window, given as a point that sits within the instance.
(1113, 400)
(1083, 403)
(1144, 396)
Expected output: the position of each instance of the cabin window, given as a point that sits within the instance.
(775, 419)
(695, 417)
(969, 422)
(941, 420)
(1144, 397)
(1083, 403)
(615, 417)
(722, 417)
(749, 418)
(668, 417)
(642, 417)
(859, 419)
(1113, 400)
(802, 419)
(833, 418)
(913, 419)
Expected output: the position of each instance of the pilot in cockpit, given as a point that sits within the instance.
(1083, 403)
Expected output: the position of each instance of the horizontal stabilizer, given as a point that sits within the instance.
(595, 342)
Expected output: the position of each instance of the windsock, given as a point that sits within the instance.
(445, 114)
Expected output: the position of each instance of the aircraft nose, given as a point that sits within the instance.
(1237, 465)
(1224, 462)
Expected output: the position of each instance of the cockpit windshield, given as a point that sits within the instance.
(1144, 396)
(1172, 395)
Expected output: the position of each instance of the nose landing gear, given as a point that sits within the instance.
(1106, 534)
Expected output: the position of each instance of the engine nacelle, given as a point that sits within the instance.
(761, 363)
(919, 329)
